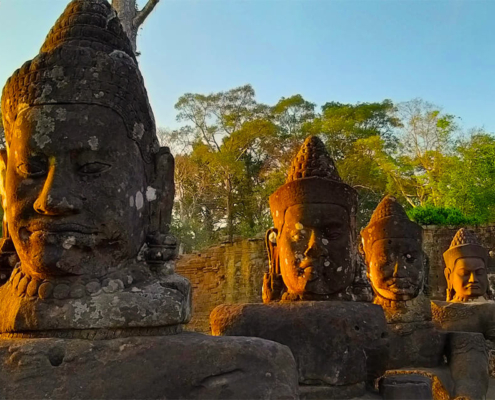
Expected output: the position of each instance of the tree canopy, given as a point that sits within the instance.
(232, 152)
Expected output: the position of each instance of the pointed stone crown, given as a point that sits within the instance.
(388, 207)
(389, 221)
(313, 160)
(312, 178)
(464, 236)
(464, 244)
(89, 23)
(85, 59)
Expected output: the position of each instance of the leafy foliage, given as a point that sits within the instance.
(432, 215)
(233, 152)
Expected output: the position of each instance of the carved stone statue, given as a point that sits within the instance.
(340, 347)
(392, 246)
(88, 194)
(82, 200)
(466, 267)
(467, 307)
(311, 249)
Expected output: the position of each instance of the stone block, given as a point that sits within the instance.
(406, 387)
(185, 366)
(334, 343)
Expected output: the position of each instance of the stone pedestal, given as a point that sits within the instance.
(184, 366)
(338, 346)
(415, 344)
(465, 317)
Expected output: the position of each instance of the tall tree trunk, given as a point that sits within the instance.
(230, 209)
(132, 18)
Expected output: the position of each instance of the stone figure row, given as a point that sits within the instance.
(315, 280)
(91, 306)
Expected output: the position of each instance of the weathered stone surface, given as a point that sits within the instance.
(437, 239)
(88, 192)
(468, 360)
(186, 366)
(152, 304)
(394, 257)
(334, 343)
(466, 263)
(396, 269)
(466, 317)
(406, 387)
(331, 392)
(230, 273)
(416, 345)
(312, 246)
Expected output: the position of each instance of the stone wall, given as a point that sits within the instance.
(233, 272)
(437, 239)
(228, 273)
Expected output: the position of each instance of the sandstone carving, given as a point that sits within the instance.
(311, 249)
(341, 347)
(88, 194)
(466, 308)
(392, 246)
(466, 267)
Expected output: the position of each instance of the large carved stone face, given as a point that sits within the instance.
(469, 279)
(75, 189)
(396, 268)
(314, 249)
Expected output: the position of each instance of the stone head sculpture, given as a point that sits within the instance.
(311, 247)
(86, 182)
(465, 267)
(393, 252)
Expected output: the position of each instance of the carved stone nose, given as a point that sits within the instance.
(60, 205)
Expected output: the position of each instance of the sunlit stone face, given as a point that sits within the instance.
(396, 268)
(315, 249)
(75, 191)
(469, 279)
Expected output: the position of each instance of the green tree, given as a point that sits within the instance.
(227, 134)
(468, 183)
(426, 145)
(357, 137)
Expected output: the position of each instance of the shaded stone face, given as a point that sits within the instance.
(73, 208)
(469, 278)
(314, 249)
(396, 268)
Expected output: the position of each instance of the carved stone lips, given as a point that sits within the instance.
(400, 283)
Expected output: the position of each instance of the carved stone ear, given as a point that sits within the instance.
(3, 172)
(161, 192)
(273, 283)
(450, 291)
(271, 247)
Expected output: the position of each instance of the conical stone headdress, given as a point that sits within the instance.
(389, 220)
(312, 178)
(86, 59)
(464, 244)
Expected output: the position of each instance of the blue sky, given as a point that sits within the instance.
(326, 50)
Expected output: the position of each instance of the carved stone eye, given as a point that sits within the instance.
(31, 169)
(94, 168)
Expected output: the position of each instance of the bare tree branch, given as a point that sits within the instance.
(144, 13)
